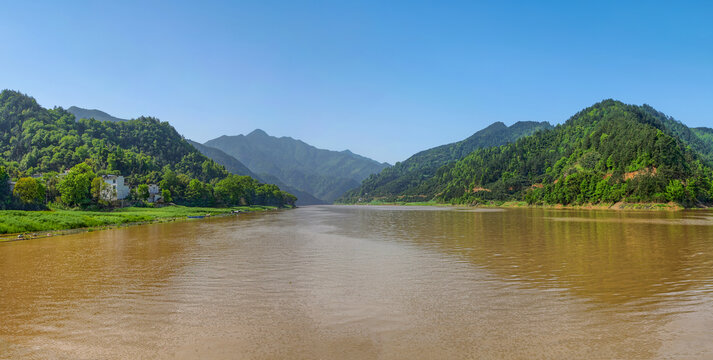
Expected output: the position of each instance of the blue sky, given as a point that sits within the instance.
(384, 79)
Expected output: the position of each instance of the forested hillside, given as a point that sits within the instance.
(705, 134)
(35, 140)
(607, 153)
(323, 173)
(402, 180)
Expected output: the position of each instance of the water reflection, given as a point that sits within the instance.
(612, 257)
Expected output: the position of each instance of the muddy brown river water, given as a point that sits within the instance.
(353, 282)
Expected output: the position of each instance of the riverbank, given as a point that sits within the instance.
(19, 224)
(671, 206)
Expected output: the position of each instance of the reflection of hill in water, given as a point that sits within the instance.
(605, 256)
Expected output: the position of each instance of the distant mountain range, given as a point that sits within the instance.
(405, 178)
(323, 173)
(236, 167)
(80, 113)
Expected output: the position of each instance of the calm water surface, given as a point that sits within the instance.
(336, 282)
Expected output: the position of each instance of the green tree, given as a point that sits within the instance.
(166, 195)
(4, 188)
(198, 193)
(96, 188)
(29, 191)
(173, 183)
(100, 189)
(235, 190)
(51, 180)
(675, 191)
(142, 191)
(75, 187)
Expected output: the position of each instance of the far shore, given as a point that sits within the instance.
(619, 206)
(24, 225)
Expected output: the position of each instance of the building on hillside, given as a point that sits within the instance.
(116, 189)
(154, 193)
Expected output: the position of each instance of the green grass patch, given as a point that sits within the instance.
(18, 221)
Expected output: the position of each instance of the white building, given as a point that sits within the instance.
(154, 193)
(116, 189)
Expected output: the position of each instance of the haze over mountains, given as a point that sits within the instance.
(323, 173)
(236, 167)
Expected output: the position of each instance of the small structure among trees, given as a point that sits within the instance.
(116, 189)
(154, 193)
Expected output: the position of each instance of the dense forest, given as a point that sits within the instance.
(322, 173)
(607, 153)
(48, 142)
(705, 135)
(403, 180)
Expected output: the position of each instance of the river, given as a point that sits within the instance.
(361, 282)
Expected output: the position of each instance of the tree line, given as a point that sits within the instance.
(81, 187)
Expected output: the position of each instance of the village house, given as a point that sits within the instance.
(116, 189)
(154, 193)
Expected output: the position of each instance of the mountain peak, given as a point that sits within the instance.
(325, 174)
(258, 132)
(81, 113)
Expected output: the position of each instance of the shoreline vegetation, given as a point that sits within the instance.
(671, 206)
(23, 225)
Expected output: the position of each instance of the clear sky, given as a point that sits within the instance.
(384, 79)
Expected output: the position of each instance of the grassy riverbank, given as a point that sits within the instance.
(523, 204)
(18, 221)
